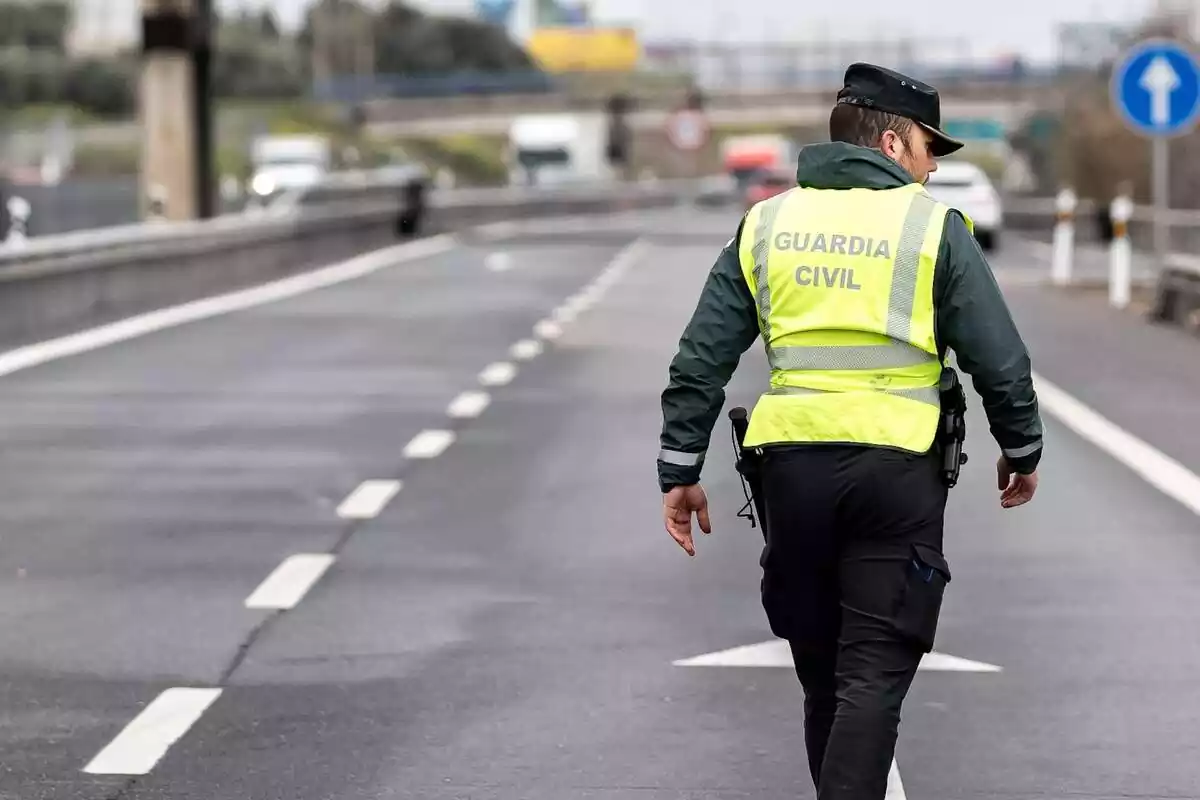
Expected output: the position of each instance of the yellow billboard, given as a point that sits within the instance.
(585, 49)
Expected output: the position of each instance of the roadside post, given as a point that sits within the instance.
(1064, 237)
(1120, 272)
(19, 211)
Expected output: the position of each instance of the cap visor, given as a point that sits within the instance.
(943, 145)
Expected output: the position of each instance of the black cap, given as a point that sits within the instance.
(886, 90)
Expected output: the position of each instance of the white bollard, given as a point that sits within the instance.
(19, 212)
(1064, 238)
(1120, 274)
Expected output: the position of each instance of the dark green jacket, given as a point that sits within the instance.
(972, 319)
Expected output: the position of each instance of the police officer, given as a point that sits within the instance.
(858, 283)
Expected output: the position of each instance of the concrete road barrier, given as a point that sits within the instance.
(1177, 295)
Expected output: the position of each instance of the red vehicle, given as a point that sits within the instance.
(766, 185)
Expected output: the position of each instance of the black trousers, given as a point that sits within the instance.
(853, 579)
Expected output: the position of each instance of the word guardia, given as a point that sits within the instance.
(834, 243)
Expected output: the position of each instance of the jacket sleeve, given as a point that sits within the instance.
(974, 321)
(723, 326)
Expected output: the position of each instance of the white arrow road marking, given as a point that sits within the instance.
(895, 787)
(940, 662)
(776, 653)
(1160, 79)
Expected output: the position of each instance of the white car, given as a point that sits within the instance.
(962, 185)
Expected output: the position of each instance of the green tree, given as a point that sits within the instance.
(35, 24)
(105, 86)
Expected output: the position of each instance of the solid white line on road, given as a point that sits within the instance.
(547, 329)
(583, 301)
(133, 327)
(628, 256)
(291, 580)
(368, 499)
(895, 788)
(468, 405)
(1041, 249)
(602, 283)
(564, 314)
(526, 349)
(429, 444)
(498, 262)
(498, 229)
(1159, 470)
(497, 374)
(591, 295)
(147, 738)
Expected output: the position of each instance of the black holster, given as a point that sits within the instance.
(749, 466)
(952, 426)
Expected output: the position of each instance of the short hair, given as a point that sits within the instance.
(865, 126)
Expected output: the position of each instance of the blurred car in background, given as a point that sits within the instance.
(963, 185)
(766, 184)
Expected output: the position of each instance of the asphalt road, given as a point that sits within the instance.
(498, 616)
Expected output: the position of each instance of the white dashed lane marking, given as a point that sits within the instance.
(548, 329)
(429, 444)
(497, 374)
(366, 501)
(468, 405)
(526, 349)
(151, 733)
(286, 586)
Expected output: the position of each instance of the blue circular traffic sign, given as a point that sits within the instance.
(1156, 88)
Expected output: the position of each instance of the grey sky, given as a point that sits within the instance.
(993, 28)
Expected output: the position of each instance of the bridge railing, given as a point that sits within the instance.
(658, 83)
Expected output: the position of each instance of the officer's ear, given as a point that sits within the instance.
(892, 144)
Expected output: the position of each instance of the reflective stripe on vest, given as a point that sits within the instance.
(848, 352)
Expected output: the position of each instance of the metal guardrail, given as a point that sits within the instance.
(57, 285)
(1174, 278)
(1035, 218)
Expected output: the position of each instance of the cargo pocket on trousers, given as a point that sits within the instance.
(920, 604)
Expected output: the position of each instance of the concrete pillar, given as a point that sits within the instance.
(168, 107)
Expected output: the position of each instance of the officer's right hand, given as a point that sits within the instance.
(678, 504)
(1015, 489)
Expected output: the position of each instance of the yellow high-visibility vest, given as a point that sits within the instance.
(843, 282)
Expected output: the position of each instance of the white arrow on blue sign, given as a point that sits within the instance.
(1156, 88)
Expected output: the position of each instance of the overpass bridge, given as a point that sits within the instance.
(1008, 103)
